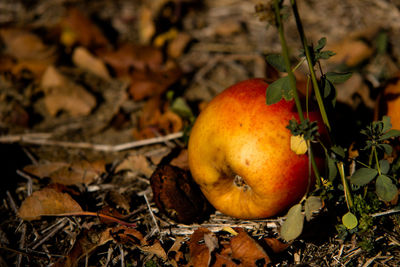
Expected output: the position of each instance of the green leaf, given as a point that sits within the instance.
(336, 77)
(180, 107)
(389, 134)
(382, 42)
(293, 226)
(386, 147)
(349, 220)
(276, 60)
(277, 90)
(384, 166)
(338, 151)
(325, 54)
(321, 44)
(385, 189)
(332, 169)
(387, 125)
(313, 203)
(326, 87)
(363, 176)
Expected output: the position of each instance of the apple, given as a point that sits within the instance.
(239, 153)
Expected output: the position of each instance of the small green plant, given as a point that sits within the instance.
(373, 182)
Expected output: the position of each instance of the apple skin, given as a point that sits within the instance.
(237, 134)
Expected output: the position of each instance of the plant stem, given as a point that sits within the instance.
(292, 80)
(285, 54)
(347, 193)
(310, 66)
(377, 160)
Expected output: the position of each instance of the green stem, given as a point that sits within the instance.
(292, 80)
(285, 54)
(310, 66)
(347, 193)
(377, 160)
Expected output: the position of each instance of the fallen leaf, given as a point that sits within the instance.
(247, 250)
(178, 45)
(118, 200)
(81, 30)
(130, 56)
(84, 246)
(200, 253)
(350, 51)
(63, 94)
(29, 51)
(85, 60)
(136, 163)
(127, 236)
(80, 172)
(155, 249)
(223, 260)
(177, 195)
(181, 161)
(24, 45)
(276, 245)
(47, 201)
(147, 83)
(175, 255)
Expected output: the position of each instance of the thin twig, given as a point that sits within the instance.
(33, 140)
(151, 213)
(29, 184)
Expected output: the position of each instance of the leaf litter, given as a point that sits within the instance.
(72, 93)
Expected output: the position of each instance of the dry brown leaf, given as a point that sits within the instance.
(118, 200)
(47, 201)
(127, 235)
(178, 45)
(181, 160)
(246, 249)
(200, 254)
(149, 83)
(24, 45)
(85, 246)
(276, 245)
(175, 255)
(81, 172)
(136, 163)
(85, 60)
(389, 103)
(129, 56)
(224, 260)
(155, 249)
(29, 51)
(177, 195)
(350, 52)
(63, 94)
(81, 30)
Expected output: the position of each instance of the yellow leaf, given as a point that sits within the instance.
(298, 145)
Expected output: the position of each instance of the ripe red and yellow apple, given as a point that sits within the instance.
(239, 153)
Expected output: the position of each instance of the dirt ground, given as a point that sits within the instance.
(95, 95)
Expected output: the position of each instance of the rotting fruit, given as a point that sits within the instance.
(239, 153)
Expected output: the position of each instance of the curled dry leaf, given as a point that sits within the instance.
(247, 250)
(177, 195)
(156, 119)
(350, 51)
(80, 30)
(200, 252)
(47, 201)
(130, 56)
(389, 103)
(81, 172)
(276, 245)
(84, 246)
(29, 51)
(136, 163)
(175, 254)
(85, 60)
(127, 235)
(63, 94)
(147, 83)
